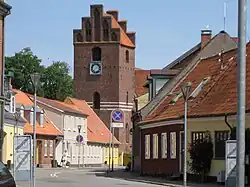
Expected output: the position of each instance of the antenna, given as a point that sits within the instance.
(225, 15)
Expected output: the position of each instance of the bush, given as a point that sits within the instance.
(201, 154)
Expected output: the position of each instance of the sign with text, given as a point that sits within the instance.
(230, 178)
(117, 118)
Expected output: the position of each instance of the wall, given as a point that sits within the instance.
(142, 100)
(106, 154)
(8, 141)
(212, 125)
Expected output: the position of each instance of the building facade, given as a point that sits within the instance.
(104, 67)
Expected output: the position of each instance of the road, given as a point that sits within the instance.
(78, 178)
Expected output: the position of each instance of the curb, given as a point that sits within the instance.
(152, 182)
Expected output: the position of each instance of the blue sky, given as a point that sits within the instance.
(165, 29)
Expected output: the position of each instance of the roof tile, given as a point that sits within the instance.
(140, 80)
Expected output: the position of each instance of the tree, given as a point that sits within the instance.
(201, 154)
(56, 81)
(23, 64)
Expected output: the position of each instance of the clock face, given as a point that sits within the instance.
(95, 68)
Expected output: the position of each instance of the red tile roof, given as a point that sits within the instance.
(140, 80)
(223, 96)
(48, 128)
(97, 130)
(210, 67)
(124, 39)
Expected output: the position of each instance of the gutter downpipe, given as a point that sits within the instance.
(229, 126)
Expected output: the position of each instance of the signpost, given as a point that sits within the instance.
(230, 178)
(22, 157)
(117, 120)
(79, 139)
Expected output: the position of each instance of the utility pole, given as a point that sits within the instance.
(241, 93)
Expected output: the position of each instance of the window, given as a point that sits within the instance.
(97, 24)
(220, 138)
(127, 133)
(155, 146)
(45, 147)
(96, 100)
(42, 118)
(79, 37)
(51, 148)
(178, 96)
(127, 56)
(198, 135)
(199, 87)
(113, 36)
(96, 54)
(105, 26)
(88, 31)
(31, 116)
(147, 146)
(22, 111)
(173, 145)
(164, 144)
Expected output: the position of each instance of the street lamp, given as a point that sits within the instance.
(17, 115)
(186, 90)
(35, 78)
(79, 142)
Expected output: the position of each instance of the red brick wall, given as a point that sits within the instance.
(160, 166)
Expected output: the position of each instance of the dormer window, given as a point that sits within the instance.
(12, 104)
(42, 118)
(31, 116)
(177, 97)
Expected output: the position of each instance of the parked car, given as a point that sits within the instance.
(6, 179)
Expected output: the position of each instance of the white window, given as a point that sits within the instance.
(147, 146)
(22, 111)
(173, 145)
(164, 145)
(199, 87)
(41, 118)
(31, 116)
(51, 148)
(45, 148)
(12, 104)
(155, 146)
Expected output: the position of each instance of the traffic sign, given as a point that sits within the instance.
(117, 118)
(79, 138)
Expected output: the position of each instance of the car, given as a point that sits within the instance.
(6, 179)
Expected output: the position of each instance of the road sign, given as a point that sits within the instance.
(230, 178)
(22, 157)
(79, 138)
(117, 118)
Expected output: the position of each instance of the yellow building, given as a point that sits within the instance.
(11, 127)
(116, 155)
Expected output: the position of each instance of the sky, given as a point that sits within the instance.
(164, 29)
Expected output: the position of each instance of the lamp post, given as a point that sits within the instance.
(79, 142)
(35, 78)
(185, 89)
(17, 117)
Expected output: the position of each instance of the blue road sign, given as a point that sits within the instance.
(117, 116)
(79, 138)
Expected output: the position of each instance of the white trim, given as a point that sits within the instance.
(128, 110)
(114, 103)
(114, 106)
(49, 105)
(162, 123)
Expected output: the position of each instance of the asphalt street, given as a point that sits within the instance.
(78, 178)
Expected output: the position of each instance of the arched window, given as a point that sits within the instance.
(97, 24)
(105, 27)
(127, 133)
(79, 37)
(113, 36)
(96, 54)
(127, 98)
(88, 31)
(96, 100)
(127, 56)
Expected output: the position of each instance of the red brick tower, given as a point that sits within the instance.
(104, 67)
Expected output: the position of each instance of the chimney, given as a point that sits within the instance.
(131, 36)
(114, 13)
(123, 25)
(206, 36)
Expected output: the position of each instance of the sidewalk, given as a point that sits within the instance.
(153, 180)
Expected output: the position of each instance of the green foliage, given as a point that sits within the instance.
(55, 83)
(247, 138)
(201, 154)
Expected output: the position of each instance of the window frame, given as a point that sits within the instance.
(147, 147)
(164, 145)
(222, 146)
(155, 146)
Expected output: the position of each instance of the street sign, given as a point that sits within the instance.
(79, 138)
(22, 157)
(230, 178)
(117, 118)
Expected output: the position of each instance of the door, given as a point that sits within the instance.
(181, 151)
(39, 153)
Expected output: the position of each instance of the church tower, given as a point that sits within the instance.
(104, 67)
